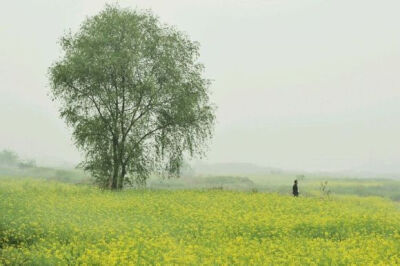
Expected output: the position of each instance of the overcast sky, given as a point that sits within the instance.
(299, 84)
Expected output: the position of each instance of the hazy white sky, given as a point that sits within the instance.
(299, 84)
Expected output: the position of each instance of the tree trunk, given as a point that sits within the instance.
(116, 163)
(122, 177)
(110, 181)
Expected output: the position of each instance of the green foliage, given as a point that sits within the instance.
(133, 92)
(8, 158)
(27, 164)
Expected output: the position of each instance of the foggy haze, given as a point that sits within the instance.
(310, 85)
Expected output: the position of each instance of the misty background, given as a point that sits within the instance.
(304, 85)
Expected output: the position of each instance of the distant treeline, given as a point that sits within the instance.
(11, 165)
(10, 159)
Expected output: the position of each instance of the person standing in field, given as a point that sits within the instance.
(295, 189)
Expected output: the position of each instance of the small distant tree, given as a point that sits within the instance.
(300, 177)
(324, 189)
(133, 92)
(8, 158)
(27, 164)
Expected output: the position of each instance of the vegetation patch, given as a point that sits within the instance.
(48, 223)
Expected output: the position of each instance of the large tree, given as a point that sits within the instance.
(133, 92)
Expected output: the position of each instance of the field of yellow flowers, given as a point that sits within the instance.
(44, 223)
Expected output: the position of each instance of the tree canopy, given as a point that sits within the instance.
(133, 92)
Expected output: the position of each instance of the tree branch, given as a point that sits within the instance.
(95, 104)
(144, 137)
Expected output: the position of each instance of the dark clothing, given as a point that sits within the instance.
(295, 190)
